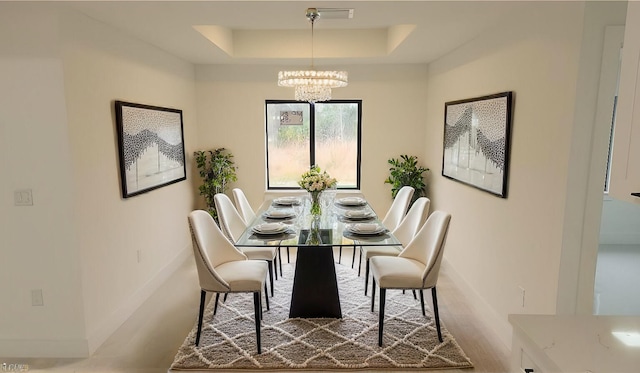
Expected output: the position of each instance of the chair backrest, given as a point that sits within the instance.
(243, 206)
(428, 246)
(412, 222)
(230, 220)
(210, 249)
(398, 208)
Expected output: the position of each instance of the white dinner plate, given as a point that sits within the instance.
(287, 201)
(269, 228)
(366, 229)
(351, 201)
(279, 214)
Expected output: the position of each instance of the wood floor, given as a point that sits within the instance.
(148, 341)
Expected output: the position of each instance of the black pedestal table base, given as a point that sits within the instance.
(315, 287)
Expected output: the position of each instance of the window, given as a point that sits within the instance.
(301, 134)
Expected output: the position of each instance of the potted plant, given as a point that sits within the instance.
(217, 170)
(406, 171)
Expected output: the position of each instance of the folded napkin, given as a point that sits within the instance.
(352, 200)
(366, 227)
(357, 214)
(279, 213)
(269, 227)
(287, 200)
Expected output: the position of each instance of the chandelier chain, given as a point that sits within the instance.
(313, 20)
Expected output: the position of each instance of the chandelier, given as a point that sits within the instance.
(312, 85)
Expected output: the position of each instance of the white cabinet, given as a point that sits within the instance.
(575, 344)
(625, 167)
(522, 360)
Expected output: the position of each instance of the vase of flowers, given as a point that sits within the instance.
(315, 181)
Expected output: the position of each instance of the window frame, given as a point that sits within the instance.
(312, 135)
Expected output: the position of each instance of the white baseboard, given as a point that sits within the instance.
(497, 325)
(117, 318)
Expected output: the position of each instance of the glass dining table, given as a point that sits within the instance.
(344, 222)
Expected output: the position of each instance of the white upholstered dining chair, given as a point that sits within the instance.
(393, 217)
(224, 269)
(398, 208)
(405, 232)
(415, 268)
(243, 206)
(248, 215)
(233, 226)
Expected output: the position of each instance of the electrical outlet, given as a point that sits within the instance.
(36, 297)
(522, 293)
(23, 197)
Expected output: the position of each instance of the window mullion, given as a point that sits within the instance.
(312, 134)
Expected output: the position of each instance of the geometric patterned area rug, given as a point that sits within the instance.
(228, 340)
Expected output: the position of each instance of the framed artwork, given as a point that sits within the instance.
(151, 147)
(476, 141)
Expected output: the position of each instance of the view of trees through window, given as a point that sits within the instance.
(300, 134)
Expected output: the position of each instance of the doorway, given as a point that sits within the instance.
(617, 277)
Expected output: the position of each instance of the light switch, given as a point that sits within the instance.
(36, 297)
(23, 197)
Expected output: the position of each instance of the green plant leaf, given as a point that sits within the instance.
(406, 172)
(217, 169)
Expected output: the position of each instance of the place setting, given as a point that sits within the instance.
(272, 231)
(365, 230)
(350, 202)
(357, 215)
(279, 214)
(287, 201)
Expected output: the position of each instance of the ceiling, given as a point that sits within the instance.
(277, 32)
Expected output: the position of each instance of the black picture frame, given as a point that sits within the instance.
(477, 133)
(151, 147)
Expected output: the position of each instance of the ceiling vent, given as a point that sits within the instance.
(335, 13)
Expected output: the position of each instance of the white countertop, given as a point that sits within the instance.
(576, 343)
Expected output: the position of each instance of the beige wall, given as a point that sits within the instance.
(231, 115)
(79, 242)
(533, 238)
(101, 65)
(498, 245)
(36, 242)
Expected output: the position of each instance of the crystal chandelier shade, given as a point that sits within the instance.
(312, 85)
(312, 93)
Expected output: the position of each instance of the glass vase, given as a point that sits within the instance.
(316, 208)
(314, 238)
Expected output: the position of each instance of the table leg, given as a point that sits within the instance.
(315, 287)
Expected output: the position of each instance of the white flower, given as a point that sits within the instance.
(316, 181)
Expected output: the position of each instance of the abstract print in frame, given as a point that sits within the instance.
(151, 145)
(476, 142)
